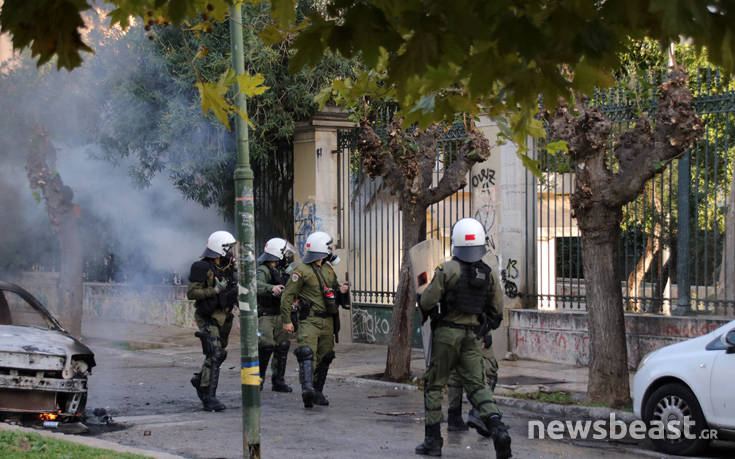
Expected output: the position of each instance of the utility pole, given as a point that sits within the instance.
(245, 222)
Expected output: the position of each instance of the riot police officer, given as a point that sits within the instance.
(213, 286)
(490, 364)
(313, 284)
(460, 292)
(273, 340)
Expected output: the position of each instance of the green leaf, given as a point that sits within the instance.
(533, 165)
(251, 85)
(284, 11)
(213, 98)
(49, 28)
(559, 146)
(588, 77)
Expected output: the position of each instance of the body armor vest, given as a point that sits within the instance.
(470, 293)
(267, 302)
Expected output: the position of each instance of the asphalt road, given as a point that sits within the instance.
(150, 398)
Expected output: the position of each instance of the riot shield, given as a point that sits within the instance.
(425, 256)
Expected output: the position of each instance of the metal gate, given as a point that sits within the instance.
(673, 236)
(373, 226)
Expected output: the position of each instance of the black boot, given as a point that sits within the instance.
(493, 427)
(501, 437)
(320, 378)
(455, 423)
(210, 402)
(432, 445)
(277, 379)
(264, 357)
(306, 374)
(196, 381)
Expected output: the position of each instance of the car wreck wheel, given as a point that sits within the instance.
(674, 406)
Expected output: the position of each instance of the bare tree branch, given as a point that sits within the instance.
(474, 149)
(377, 160)
(644, 151)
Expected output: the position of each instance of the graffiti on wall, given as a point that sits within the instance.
(484, 184)
(305, 222)
(509, 275)
(371, 325)
(483, 179)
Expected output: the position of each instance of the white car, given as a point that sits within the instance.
(693, 380)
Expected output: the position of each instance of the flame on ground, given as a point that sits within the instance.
(48, 416)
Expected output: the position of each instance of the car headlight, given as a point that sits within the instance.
(645, 359)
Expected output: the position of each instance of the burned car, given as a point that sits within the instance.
(43, 369)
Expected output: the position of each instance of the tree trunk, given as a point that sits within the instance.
(608, 366)
(663, 284)
(398, 362)
(636, 279)
(63, 215)
(726, 283)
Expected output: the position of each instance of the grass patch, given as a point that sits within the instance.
(561, 398)
(31, 445)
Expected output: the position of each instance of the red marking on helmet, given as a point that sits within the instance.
(469, 237)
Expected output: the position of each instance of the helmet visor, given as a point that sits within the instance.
(313, 256)
(470, 254)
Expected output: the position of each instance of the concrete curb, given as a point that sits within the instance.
(372, 382)
(565, 411)
(91, 442)
(548, 409)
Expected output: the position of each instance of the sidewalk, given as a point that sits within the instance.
(353, 360)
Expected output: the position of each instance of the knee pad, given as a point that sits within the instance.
(283, 347)
(303, 353)
(219, 355)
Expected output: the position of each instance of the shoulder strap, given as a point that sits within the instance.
(322, 283)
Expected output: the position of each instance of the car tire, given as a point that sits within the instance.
(675, 401)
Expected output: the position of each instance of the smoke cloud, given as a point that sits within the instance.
(151, 231)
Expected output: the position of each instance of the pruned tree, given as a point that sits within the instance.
(406, 160)
(607, 177)
(64, 216)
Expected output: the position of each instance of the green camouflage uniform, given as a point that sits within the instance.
(454, 348)
(317, 329)
(273, 338)
(219, 324)
(490, 364)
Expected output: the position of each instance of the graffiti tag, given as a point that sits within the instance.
(484, 179)
(509, 275)
(306, 223)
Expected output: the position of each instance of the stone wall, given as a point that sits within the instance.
(150, 304)
(561, 336)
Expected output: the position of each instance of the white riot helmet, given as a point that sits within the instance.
(218, 244)
(277, 249)
(318, 246)
(468, 240)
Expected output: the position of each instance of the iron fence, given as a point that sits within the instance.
(373, 222)
(673, 236)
